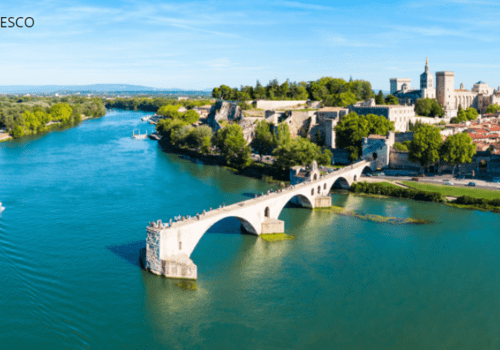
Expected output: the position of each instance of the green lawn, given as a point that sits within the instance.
(454, 191)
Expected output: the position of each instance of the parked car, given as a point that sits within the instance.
(449, 183)
(415, 179)
(471, 184)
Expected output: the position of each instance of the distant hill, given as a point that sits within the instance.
(48, 89)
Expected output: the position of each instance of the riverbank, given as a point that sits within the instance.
(464, 198)
(5, 137)
(256, 170)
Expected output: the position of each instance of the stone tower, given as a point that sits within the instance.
(397, 84)
(426, 79)
(445, 89)
(427, 82)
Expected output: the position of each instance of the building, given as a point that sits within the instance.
(328, 117)
(399, 114)
(408, 96)
(479, 97)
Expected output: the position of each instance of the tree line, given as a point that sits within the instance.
(31, 115)
(153, 104)
(333, 91)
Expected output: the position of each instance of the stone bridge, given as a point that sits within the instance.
(169, 245)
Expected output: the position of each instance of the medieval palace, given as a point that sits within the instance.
(479, 97)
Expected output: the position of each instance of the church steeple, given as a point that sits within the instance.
(426, 80)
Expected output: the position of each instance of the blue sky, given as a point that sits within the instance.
(198, 45)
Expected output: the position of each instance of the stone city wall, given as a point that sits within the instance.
(263, 104)
(400, 160)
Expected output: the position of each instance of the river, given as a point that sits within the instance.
(77, 205)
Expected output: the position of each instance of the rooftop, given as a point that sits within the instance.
(380, 137)
(332, 109)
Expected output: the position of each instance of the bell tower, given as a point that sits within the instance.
(427, 82)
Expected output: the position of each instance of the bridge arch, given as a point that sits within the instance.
(298, 200)
(341, 183)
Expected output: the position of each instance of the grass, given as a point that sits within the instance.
(374, 218)
(276, 237)
(475, 207)
(187, 285)
(452, 191)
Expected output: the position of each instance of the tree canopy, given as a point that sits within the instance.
(424, 148)
(300, 151)
(351, 129)
(333, 91)
(233, 146)
(428, 107)
(379, 99)
(458, 149)
(464, 115)
(493, 108)
(391, 100)
(263, 141)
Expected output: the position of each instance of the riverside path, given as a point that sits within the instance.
(169, 245)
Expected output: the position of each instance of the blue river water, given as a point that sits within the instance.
(77, 205)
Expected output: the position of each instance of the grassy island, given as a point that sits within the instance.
(276, 237)
(374, 218)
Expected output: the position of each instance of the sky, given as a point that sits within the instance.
(199, 45)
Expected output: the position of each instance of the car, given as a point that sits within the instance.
(471, 184)
(415, 179)
(368, 175)
(496, 179)
(449, 183)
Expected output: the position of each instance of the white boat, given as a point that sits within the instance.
(146, 118)
(1, 208)
(139, 136)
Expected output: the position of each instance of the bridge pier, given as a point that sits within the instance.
(323, 202)
(273, 226)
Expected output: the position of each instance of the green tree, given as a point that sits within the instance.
(206, 144)
(300, 151)
(190, 116)
(282, 135)
(351, 129)
(391, 100)
(199, 134)
(424, 148)
(493, 108)
(465, 115)
(458, 149)
(400, 147)
(259, 91)
(379, 99)
(233, 146)
(61, 112)
(216, 93)
(428, 107)
(180, 136)
(169, 111)
(262, 142)
(17, 132)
